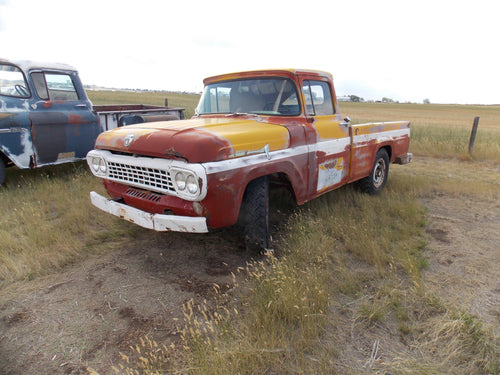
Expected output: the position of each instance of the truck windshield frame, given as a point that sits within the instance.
(271, 96)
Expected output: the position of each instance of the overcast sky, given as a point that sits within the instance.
(446, 51)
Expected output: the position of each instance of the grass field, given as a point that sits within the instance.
(364, 261)
(175, 99)
(438, 130)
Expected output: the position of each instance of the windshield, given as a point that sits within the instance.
(12, 82)
(263, 96)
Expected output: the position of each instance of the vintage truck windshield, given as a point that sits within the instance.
(12, 82)
(263, 96)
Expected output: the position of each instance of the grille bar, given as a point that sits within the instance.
(156, 179)
(144, 195)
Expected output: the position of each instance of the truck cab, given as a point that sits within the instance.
(45, 115)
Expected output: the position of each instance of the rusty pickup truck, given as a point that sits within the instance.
(46, 117)
(252, 131)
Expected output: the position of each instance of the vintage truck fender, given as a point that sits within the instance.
(16, 146)
(229, 179)
(369, 138)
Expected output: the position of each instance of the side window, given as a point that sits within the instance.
(318, 98)
(40, 85)
(60, 87)
(12, 82)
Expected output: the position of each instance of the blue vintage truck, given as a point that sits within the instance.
(46, 117)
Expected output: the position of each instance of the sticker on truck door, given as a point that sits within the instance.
(330, 173)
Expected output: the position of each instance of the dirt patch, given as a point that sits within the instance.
(464, 253)
(88, 313)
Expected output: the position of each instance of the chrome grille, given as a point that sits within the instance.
(153, 178)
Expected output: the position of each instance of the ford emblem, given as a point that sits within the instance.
(128, 140)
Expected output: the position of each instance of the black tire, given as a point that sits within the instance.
(255, 215)
(2, 172)
(376, 180)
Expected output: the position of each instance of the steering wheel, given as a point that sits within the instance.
(21, 90)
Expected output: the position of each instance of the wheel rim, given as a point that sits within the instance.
(379, 173)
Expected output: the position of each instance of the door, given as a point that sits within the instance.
(329, 151)
(15, 137)
(63, 126)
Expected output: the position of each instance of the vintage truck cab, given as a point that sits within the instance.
(251, 131)
(46, 117)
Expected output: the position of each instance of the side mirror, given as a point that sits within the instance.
(347, 119)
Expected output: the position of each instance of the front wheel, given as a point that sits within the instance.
(376, 180)
(255, 215)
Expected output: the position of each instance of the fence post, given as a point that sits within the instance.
(473, 134)
(166, 102)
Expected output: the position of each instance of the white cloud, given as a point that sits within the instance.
(2, 22)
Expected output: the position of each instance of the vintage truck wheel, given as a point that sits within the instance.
(2, 172)
(255, 211)
(376, 180)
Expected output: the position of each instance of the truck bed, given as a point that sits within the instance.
(112, 116)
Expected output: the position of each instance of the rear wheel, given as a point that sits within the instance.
(376, 180)
(255, 215)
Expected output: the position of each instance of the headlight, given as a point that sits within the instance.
(192, 185)
(102, 166)
(180, 180)
(95, 163)
(186, 183)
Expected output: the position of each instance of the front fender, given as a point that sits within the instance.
(227, 181)
(16, 145)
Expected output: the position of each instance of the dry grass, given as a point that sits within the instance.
(439, 115)
(48, 221)
(351, 281)
(175, 99)
(439, 130)
(345, 279)
(47, 218)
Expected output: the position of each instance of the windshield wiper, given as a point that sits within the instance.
(238, 114)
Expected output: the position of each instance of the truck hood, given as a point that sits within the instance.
(197, 140)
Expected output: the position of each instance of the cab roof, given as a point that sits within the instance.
(27, 65)
(265, 72)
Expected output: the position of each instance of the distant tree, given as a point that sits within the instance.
(427, 101)
(355, 98)
(387, 100)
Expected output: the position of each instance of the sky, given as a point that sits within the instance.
(406, 50)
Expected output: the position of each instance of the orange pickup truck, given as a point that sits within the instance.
(251, 132)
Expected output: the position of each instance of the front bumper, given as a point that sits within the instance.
(158, 222)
